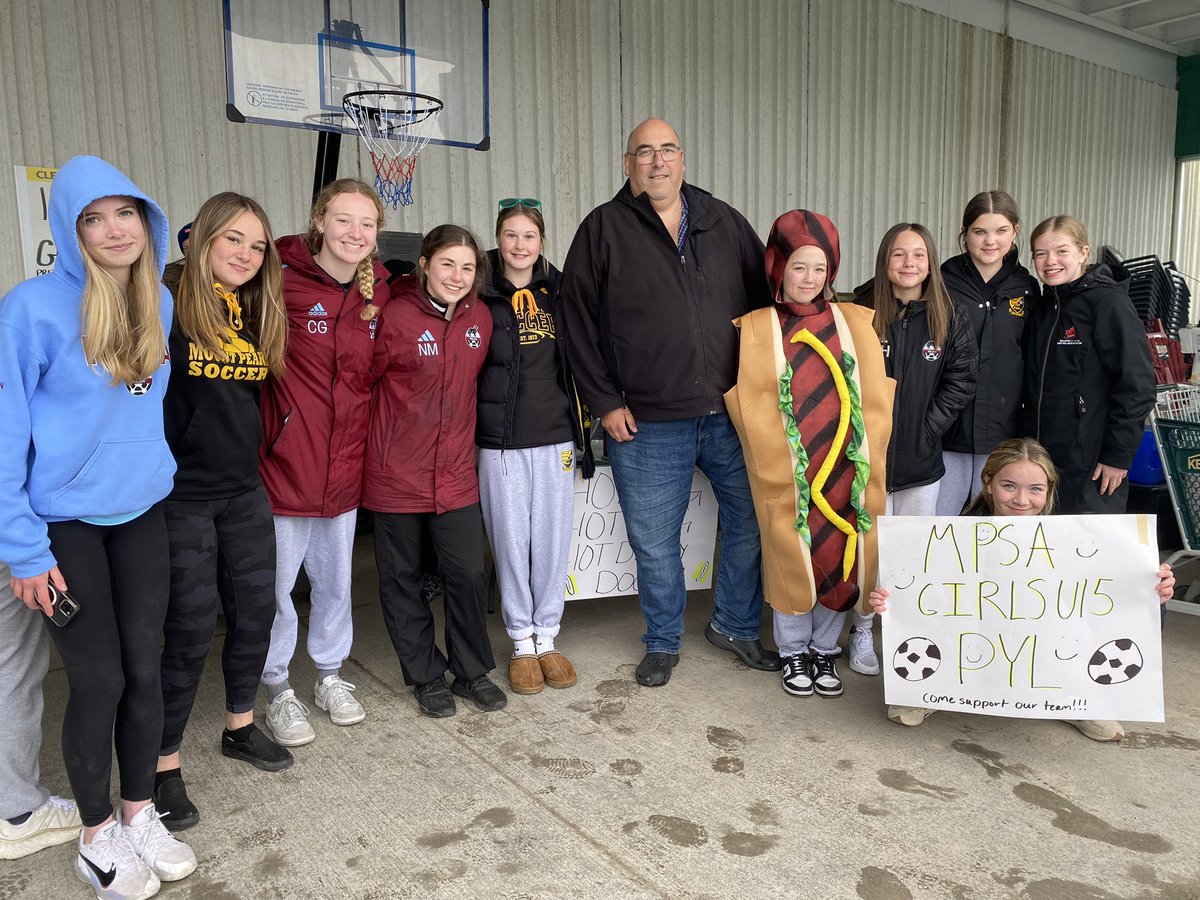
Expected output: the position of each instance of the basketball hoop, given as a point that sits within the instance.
(395, 126)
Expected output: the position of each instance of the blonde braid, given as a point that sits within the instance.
(365, 275)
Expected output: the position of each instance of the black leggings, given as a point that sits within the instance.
(221, 550)
(110, 650)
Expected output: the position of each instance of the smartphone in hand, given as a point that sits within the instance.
(64, 606)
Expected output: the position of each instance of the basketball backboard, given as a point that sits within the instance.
(290, 62)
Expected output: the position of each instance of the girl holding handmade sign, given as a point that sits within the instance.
(812, 406)
(1089, 380)
(930, 350)
(997, 295)
(1019, 479)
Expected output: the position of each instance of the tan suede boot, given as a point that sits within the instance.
(557, 671)
(525, 675)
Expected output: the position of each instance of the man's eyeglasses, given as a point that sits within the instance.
(644, 155)
(527, 202)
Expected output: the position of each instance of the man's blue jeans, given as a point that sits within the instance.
(653, 475)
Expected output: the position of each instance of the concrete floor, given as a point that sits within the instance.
(717, 785)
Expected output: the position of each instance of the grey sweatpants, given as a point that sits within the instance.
(325, 548)
(24, 658)
(961, 481)
(528, 498)
(817, 630)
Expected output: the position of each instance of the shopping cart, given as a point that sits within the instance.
(1176, 423)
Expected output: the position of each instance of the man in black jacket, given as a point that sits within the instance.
(650, 286)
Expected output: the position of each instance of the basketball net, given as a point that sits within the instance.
(395, 126)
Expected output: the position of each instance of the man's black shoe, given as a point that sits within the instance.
(434, 699)
(482, 692)
(175, 810)
(258, 749)
(752, 653)
(655, 669)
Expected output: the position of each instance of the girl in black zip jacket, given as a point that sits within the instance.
(929, 348)
(997, 294)
(1089, 380)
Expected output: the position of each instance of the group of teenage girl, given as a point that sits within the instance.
(183, 442)
(175, 453)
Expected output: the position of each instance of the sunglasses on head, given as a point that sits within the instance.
(527, 202)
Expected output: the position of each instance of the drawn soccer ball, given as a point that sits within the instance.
(916, 659)
(139, 388)
(1116, 662)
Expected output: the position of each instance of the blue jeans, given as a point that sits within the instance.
(653, 475)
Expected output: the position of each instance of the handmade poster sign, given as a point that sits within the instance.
(601, 563)
(1042, 617)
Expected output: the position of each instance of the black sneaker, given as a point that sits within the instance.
(797, 675)
(435, 699)
(825, 676)
(258, 750)
(482, 692)
(175, 810)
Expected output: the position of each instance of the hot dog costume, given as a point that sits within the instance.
(813, 408)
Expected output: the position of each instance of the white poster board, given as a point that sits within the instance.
(1041, 617)
(33, 206)
(601, 563)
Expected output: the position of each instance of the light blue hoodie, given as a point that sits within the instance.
(74, 445)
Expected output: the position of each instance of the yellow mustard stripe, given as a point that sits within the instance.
(839, 440)
(1143, 526)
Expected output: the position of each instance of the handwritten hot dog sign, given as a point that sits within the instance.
(602, 562)
(1044, 617)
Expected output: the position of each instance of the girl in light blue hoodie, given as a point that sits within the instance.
(83, 470)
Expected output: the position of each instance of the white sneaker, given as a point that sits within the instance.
(54, 822)
(861, 651)
(287, 720)
(112, 868)
(1100, 729)
(164, 854)
(333, 695)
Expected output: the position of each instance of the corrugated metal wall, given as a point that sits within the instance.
(869, 110)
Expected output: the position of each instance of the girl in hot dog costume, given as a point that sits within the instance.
(813, 408)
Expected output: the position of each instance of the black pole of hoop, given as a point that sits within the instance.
(329, 148)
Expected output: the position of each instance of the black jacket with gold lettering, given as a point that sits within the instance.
(998, 310)
(527, 396)
(211, 415)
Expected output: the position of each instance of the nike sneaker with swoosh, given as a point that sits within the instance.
(164, 854)
(112, 869)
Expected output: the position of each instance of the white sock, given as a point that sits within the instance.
(525, 647)
(545, 643)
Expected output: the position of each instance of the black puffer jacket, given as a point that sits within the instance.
(1089, 384)
(559, 415)
(997, 310)
(932, 386)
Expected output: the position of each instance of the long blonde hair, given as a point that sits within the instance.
(202, 316)
(122, 330)
(1014, 450)
(365, 273)
(939, 306)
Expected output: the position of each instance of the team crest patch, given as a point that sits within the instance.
(1016, 307)
(1069, 339)
(568, 460)
(473, 337)
(931, 351)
